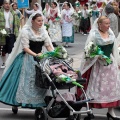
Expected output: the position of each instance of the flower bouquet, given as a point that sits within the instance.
(47, 26)
(3, 34)
(75, 16)
(92, 50)
(59, 52)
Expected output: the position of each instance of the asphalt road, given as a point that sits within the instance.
(74, 51)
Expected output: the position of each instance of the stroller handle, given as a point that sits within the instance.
(37, 59)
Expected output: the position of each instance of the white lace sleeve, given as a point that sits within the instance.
(25, 39)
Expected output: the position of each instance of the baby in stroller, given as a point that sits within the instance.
(61, 71)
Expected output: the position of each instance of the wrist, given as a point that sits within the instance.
(35, 55)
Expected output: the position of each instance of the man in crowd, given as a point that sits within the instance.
(11, 23)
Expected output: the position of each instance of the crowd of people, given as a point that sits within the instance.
(47, 26)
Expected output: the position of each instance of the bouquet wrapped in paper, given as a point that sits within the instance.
(92, 50)
(59, 52)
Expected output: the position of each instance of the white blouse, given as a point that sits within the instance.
(28, 34)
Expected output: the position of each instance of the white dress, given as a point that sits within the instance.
(66, 26)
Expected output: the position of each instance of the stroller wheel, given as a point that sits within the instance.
(14, 110)
(40, 114)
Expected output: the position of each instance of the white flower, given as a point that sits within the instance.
(119, 48)
(91, 43)
(3, 32)
(79, 11)
(88, 48)
(65, 55)
(64, 50)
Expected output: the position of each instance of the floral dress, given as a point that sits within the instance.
(17, 86)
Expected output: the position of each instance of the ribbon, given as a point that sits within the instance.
(98, 51)
(57, 18)
(68, 80)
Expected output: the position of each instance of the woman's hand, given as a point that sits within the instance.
(39, 54)
(101, 58)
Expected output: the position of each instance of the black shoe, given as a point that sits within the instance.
(110, 116)
(15, 109)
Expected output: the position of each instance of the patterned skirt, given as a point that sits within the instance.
(103, 86)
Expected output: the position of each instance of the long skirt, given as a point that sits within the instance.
(17, 86)
(102, 86)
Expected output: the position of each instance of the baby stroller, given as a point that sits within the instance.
(64, 109)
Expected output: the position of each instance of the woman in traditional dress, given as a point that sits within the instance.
(67, 25)
(14, 6)
(17, 86)
(76, 19)
(103, 83)
(54, 29)
(36, 8)
(46, 12)
(95, 13)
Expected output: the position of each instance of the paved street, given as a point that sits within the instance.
(74, 51)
